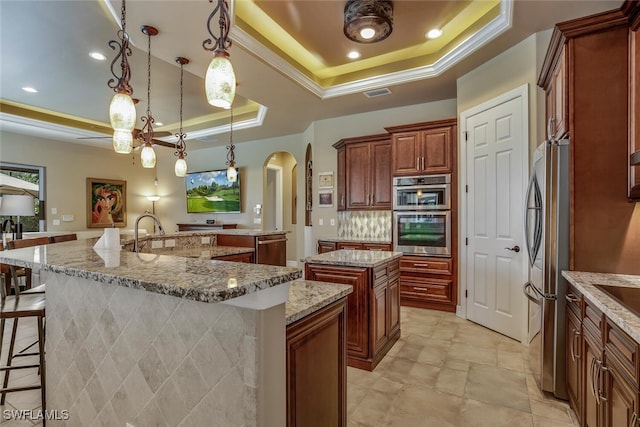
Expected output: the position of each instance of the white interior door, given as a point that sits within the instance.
(496, 174)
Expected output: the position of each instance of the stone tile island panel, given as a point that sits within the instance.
(119, 355)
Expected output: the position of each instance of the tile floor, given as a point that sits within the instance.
(444, 371)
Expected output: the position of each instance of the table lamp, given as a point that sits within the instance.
(18, 205)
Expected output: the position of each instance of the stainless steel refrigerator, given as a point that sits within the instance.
(547, 243)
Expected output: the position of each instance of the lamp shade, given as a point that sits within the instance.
(122, 141)
(18, 205)
(181, 167)
(148, 157)
(122, 113)
(220, 82)
(232, 174)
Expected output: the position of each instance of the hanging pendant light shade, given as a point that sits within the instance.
(122, 111)
(148, 155)
(220, 80)
(181, 147)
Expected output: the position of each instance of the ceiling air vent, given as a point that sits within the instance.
(377, 92)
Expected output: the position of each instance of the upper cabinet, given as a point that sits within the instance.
(423, 148)
(557, 111)
(364, 173)
(634, 107)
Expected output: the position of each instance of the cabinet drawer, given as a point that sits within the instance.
(593, 320)
(376, 247)
(426, 265)
(393, 269)
(624, 349)
(380, 276)
(427, 289)
(573, 299)
(344, 245)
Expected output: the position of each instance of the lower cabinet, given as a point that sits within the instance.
(603, 367)
(373, 308)
(330, 245)
(428, 282)
(269, 249)
(317, 368)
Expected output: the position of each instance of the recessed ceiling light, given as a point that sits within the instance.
(353, 54)
(159, 124)
(98, 56)
(30, 89)
(434, 34)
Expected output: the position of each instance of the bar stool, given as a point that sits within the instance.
(26, 243)
(20, 307)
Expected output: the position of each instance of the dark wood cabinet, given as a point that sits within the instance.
(589, 81)
(246, 258)
(329, 245)
(603, 367)
(373, 308)
(316, 346)
(634, 108)
(269, 249)
(423, 148)
(428, 282)
(366, 171)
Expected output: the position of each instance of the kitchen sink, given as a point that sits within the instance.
(627, 297)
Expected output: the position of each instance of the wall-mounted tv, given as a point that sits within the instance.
(210, 191)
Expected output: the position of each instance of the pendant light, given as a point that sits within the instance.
(232, 173)
(122, 111)
(181, 147)
(148, 155)
(220, 80)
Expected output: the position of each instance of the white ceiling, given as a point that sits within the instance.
(45, 44)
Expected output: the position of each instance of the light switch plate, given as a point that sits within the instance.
(321, 221)
(56, 222)
(169, 243)
(156, 244)
(67, 218)
(54, 211)
(332, 221)
(205, 240)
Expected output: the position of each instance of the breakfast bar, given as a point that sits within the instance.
(133, 337)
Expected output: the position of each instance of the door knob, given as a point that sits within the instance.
(515, 249)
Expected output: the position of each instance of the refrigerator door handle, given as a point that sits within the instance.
(532, 298)
(533, 247)
(538, 292)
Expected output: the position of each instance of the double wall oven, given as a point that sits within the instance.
(422, 215)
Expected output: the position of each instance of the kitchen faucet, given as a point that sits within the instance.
(136, 246)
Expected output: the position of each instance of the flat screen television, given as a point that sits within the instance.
(211, 191)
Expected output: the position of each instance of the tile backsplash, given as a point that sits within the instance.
(364, 225)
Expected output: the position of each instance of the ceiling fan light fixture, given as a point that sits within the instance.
(122, 141)
(368, 21)
(220, 80)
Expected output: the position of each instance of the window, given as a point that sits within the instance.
(27, 177)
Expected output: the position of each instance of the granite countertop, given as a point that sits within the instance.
(250, 232)
(353, 258)
(345, 240)
(190, 278)
(308, 296)
(201, 252)
(621, 316)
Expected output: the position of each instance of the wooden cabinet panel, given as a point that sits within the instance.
(634, 111)
(373, 309)
(246, 258)
(624, 350)
(317, 368)
(426, 265)
(269, 250)
(376, 246)
(349, 245)
(574, 358)
(622, 398)
(357, 302)
(357, 176)
(436, 156)
(325, 246)
(560, 105)
(367, 172)
(406, 153)
(592, 350)
(381, 189)
(428, 289)
(341, 180)
(380, 297)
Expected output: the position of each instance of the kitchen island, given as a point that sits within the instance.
(151, 339)
(373, 306)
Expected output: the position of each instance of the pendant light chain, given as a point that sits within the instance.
(231, 155)
(181, 146)
(149, 76)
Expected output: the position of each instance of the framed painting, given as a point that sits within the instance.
(325, 180)
(325, 199)
(106, 203)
